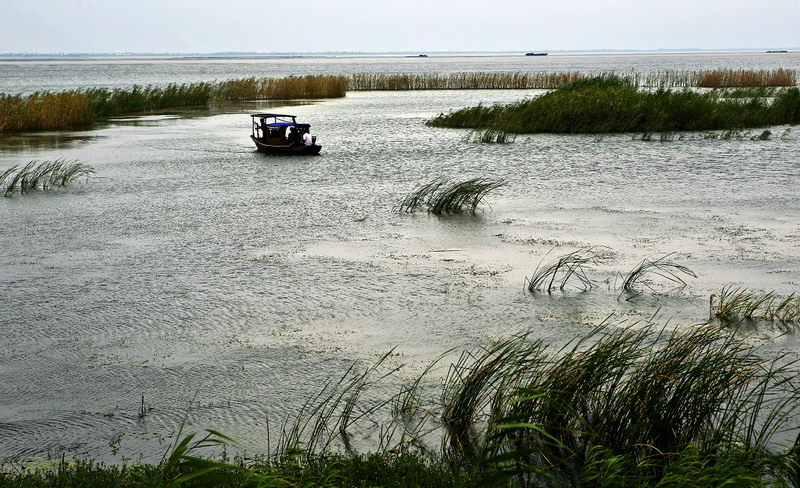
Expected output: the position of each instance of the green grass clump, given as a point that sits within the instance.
(442, 196)
(612, 104)
(42, 175)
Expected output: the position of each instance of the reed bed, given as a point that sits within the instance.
(736, 304)
(42, 175)
(560, 272)
(79, 109)
(442, 196)
(45, 111)
(519, 80)
(611, 104)
(461, 81)
(746, 78)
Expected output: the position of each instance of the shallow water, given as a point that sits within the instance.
(193, 265)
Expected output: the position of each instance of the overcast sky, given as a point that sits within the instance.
(47, 26)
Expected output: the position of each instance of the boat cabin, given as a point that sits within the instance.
(281, 133)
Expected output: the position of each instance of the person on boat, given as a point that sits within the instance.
(307, 139)
(294, 136)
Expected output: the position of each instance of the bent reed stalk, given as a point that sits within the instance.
(42, 175)
(442, 196)
(663, 267)
(78, 109)
(559, 272)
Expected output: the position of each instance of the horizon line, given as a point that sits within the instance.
(377, 53)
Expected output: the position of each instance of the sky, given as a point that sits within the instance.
(208, 26)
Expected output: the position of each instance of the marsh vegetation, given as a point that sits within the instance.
(613, 104)
(625, 406)
(79, 109)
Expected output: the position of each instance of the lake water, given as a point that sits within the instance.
(192, 266)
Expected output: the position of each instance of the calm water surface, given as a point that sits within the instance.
(193, 265)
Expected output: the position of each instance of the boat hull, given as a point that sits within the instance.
(299, 150)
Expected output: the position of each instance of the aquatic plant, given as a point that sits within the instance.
(558, 273)
(626, 406)
(544, 80)
(79, 109)
(663, 267)
(45, 111)
(442, 196)
(733, 304)
(638, 398)
(612, 104)
(42, 175)
(746, 78)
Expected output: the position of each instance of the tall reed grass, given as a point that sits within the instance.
(45, 111)
(637, 399)
(627, 406)
(518, 80)
(79, 109)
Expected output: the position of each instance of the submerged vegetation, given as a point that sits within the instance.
(42, 175)
(442, 196)
(79, 109)
(631, 406)
(613, 104)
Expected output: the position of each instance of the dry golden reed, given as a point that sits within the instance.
(45, 111)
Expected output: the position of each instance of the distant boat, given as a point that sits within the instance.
(422, 56)
(777, 51)
(535, 54)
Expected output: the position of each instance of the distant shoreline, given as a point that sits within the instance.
(267, 55)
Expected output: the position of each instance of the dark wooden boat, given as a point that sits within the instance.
(535, 54)
(282, 134)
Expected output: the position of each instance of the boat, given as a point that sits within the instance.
(282, 134)
(535, 54)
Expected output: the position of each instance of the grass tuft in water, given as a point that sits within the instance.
(442, 196)
(736, 304)
(662, 267)
(42, 175)
(560, 272)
